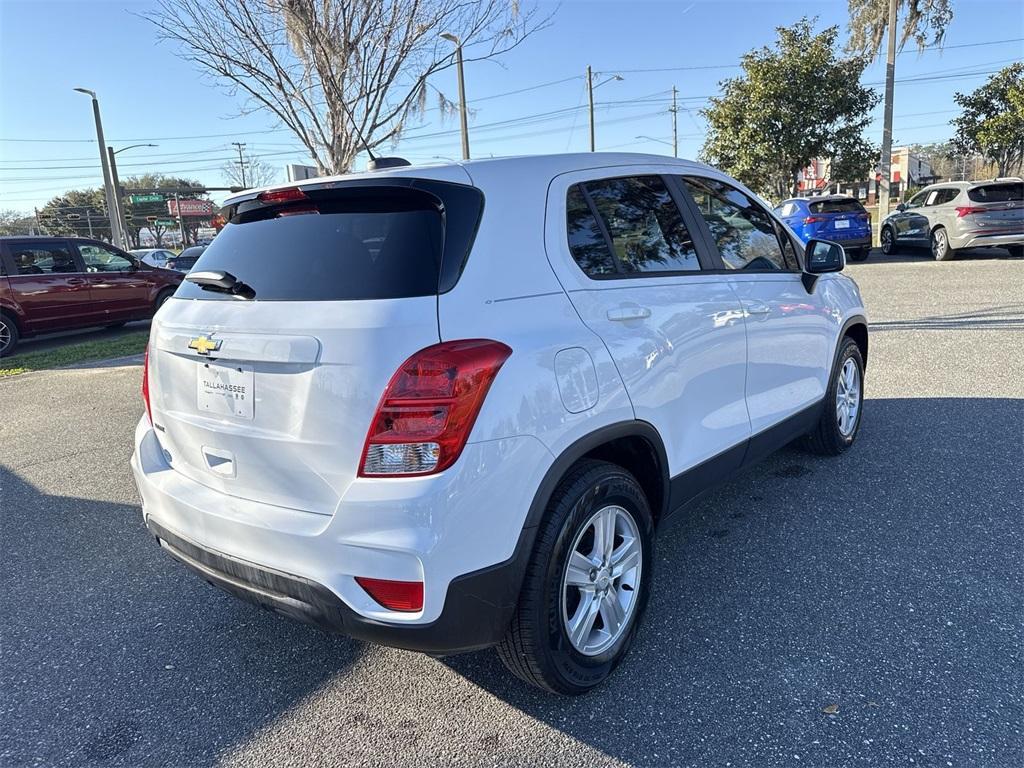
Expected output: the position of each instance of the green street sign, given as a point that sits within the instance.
(165, 222)
(152, 198)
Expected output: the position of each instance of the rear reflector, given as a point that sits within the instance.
(406, 596)
(286, 195)
(429, 408)
(962, 211)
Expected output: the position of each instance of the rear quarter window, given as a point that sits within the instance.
(350, 243)
(997, 193)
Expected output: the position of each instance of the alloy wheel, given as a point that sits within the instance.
(5, 335)
(887, 241)
(601, 582)
(848, 397)
(940, 243)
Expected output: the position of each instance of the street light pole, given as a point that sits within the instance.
(675, 132)
(112, 214)
(463, 120)
(890, 76)
(590, 92)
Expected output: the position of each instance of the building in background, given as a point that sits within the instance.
(908, 171)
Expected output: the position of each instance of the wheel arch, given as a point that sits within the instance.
(856, 328)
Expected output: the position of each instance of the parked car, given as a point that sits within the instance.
(956, 215)
(187, 259)
(155, 257)
(833, 217)
(378, 405)
(59, 283)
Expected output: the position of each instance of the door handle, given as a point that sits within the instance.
(620, 314)
(75, 281)
(757, 308)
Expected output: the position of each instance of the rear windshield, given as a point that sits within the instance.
(997, 193)
(362, 242)
(835, 206)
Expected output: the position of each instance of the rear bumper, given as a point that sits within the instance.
(855, 243)
(985, 240)
(476, 613)
(455, 532)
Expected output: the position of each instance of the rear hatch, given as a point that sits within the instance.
(838, 219)
(267, 392)
(996, 208)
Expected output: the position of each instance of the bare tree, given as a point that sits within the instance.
(256, 173)
(322, 66)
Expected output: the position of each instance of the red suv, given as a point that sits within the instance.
(58, 283)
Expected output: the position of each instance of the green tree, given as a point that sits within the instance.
(992, 122)
(794, 102)
(924, 22)
(81, 212)
(16, 223)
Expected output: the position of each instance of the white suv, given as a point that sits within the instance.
(448, 408)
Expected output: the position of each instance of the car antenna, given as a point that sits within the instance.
(376, 163)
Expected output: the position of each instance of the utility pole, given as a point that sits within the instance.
(115, 224)
(590, 93)
(88, 220)
(122, 221)
(181, 221)
(675, 131)
(462, 92)
(241, 160)
(890, 76)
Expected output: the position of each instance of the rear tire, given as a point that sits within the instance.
(1017, 251)
(161, 298)
(540, 646)
(887, 239)
(9, 335)
(861, 254)
(844, 403)
(941, 249)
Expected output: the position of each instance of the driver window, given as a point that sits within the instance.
(917, 200)
(100, 259)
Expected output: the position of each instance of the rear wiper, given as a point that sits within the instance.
(221, 282)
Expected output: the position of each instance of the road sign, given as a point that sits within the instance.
(165, 222)
(151, 198)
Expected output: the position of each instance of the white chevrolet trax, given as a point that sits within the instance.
(451, 407)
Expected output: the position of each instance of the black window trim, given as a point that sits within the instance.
(78, 243)
(721, 269)
(68, 243)
(704, 256)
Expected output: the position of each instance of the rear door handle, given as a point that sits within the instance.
(75, 281)
(757, 308)
(620, 314)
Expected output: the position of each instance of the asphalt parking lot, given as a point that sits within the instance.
(887, 584)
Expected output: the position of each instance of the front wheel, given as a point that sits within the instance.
(587, 582)
(161, 298)
(1017, 251)
(941, 249)
(888, 241)
(840, 415)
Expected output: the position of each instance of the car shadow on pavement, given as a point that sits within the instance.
(1007, 317)
(102, 633)
(906, 254)
(827, 610)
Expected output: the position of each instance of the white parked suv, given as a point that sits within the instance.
(450, 407)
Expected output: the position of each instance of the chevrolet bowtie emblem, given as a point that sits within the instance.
(205, 345)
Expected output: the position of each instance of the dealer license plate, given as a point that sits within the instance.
(225, 390)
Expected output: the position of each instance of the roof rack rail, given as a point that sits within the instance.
(1007, 178)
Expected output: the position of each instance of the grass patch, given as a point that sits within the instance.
(122, 346)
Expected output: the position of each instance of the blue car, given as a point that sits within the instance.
(839, 218)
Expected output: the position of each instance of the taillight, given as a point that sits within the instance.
(813, 219)
(287, 195)
(429, 408)
(967, 210)
(145, 384)
(404, 596)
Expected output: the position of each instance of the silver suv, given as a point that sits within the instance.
(954, 215)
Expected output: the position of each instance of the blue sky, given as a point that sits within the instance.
(47, 140)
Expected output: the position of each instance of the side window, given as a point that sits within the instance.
(744, 232)
(946, 196)
(42, 259)
(100, 259)
(643, 224)
(586, 240)
(917, 200)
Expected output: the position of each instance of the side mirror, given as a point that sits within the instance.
(821, 256)
(901, 207)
